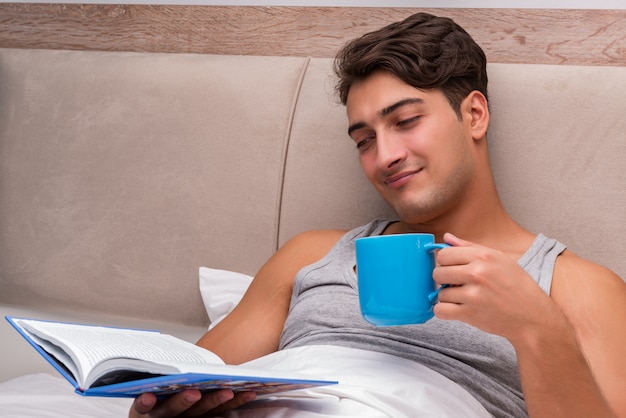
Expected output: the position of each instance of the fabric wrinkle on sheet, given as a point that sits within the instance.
(46, 396)
(371, 384)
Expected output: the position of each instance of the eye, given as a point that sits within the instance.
(408, 122)
(363, 144)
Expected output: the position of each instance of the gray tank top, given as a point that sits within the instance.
(325, 310)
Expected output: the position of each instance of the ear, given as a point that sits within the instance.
(477, 110)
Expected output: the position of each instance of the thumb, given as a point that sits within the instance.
(455, 241)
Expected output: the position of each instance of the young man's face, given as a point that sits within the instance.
(412, 146)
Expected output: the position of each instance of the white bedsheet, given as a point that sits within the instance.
(45, 396)
(371, 385)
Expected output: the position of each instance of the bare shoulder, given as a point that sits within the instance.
(571, 269)
(587, 291)
(278, 273)
(575, 277)
(253, 328)
(319, 240)
(298, 252)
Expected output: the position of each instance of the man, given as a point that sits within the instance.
(551, 323)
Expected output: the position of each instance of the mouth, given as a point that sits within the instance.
(400, 179)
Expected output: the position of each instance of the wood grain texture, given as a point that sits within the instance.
(572, 37)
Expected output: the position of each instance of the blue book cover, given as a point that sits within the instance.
(122, 362)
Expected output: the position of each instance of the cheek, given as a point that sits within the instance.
(368, 165)
(450, 143)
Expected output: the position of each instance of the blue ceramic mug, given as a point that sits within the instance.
(395, 278)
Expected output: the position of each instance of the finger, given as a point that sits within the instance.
(238, 400)
(453, 301)
(455, 241)
(211, 401)
(452, 275)
(175, 404)
(461, 294)
(447, 310)
(461, 255)
(142, 405)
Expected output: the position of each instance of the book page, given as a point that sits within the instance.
(90, 345)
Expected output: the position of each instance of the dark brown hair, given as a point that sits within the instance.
(425, 51)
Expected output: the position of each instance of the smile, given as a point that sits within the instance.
(400, 179)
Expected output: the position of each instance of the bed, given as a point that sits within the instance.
(117, 186)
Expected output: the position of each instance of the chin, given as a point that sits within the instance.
(413, 212)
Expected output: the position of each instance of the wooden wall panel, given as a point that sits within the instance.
(574, 37)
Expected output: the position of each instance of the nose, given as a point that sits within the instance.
(389, 151)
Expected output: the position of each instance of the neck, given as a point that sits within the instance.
(480, 218)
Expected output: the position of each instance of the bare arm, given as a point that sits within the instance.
(556, 376)
(594, 300)
(253, 328)
(563, 375)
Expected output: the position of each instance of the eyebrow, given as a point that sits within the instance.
(386, 111)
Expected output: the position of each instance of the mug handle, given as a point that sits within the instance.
(432, 246)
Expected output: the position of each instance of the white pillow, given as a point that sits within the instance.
(221, 291)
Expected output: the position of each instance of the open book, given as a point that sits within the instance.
(119, 362)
